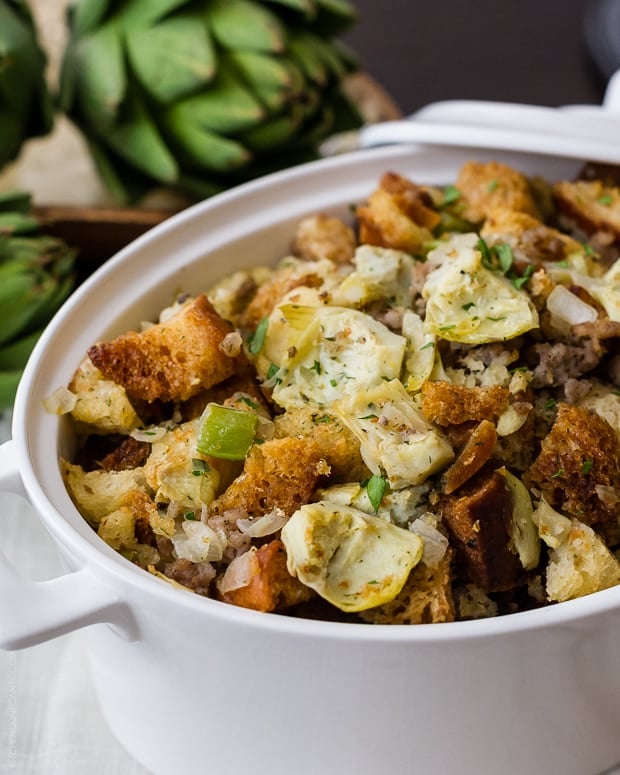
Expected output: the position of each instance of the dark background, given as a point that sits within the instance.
(531, 51)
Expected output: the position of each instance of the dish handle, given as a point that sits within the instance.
(32, 612)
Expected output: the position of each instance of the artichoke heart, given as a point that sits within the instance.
(394, 436)
(466, 302)
(339, 351)
(352, 559)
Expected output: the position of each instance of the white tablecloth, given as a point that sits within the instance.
(50, 722)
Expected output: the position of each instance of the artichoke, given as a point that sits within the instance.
(25, 103)
(35, 278)
(200, 95)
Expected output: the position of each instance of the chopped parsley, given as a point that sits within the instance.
(375, 487)
(190, 515)
(550, 404)
(427, 345)
(257, 339)
(558, 473)
(492, 186)
(272, 371)
(605, 200)
(468, 306)
(249, 402)
(451, 194)
(587, 466)
(199, 467)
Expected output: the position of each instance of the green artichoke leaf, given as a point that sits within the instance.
(15, 201)
(87, 14)
(245, 25)
(17, 223)
(9, 380)
(18, 297)
(275, 131)
(143, 13)
(137, 139)
(25, 105)
(206, 149)
(173, 58)
(227, 107)
(273, 79)
(302, 51)
(14, 355)
(101, 80)
(125, 184)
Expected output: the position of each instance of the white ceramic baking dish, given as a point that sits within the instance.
(195, 686)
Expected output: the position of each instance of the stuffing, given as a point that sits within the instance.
(592, 204)
(385, 425)
(488, 187)
(335, 443)
(177, 473)
(170, 361)
(397, 215)
(476, 452)
(98, 493)
(268, 584)
(578, 457)
(426, 598)
(320, 236)
(129, 454)
(537, 241)
(478, 517)
(281, 473)
(579, 561)
(447, 404)
(101, 405)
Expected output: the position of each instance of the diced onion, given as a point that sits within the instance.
(568, 310)
(263, 526)
(152, 434)
(435, 543)
(239, 573)
(61, 401)
(197, 542)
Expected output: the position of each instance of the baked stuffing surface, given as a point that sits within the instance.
(414, 417)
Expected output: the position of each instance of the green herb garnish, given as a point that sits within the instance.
(375, 487)
(258, 338)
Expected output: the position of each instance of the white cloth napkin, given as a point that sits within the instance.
(50, 721)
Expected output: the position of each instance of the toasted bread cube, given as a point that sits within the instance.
(281, 473)
(486, 187)
(170, 361)
(271, 587)
(447, 404)
(321, 236)
(595, 206)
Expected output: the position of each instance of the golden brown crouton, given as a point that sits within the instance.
(426, 598)
(577, 464)
(487, 187)
(170, 361)
(271, 587)
(593, 205)
(538, 241)
(320, 236)
(337, 445)
(477, 518)
(281, 473)
(397, 215)
(448, 404)
(478, 449)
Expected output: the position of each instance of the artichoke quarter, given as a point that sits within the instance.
(25, 104)
(200, 95)
(35, 278)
